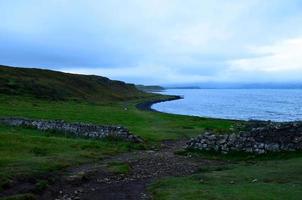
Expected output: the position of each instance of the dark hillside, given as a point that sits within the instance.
(150, 88)
(56, 85)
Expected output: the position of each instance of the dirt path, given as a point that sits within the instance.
(94, 181)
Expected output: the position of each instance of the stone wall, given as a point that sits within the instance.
(76, 129)
(260, 138)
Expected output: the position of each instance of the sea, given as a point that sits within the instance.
(239, 104)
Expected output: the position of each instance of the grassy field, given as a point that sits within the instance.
(24, 152)
(254, 180)
(152, 126)
(44, 94)
(27, 151)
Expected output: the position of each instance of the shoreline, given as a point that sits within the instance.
(147, 105)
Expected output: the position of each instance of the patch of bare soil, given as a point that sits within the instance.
(95, 181)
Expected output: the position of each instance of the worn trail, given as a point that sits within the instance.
(94, 181)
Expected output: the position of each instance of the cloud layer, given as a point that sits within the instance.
(156, 41)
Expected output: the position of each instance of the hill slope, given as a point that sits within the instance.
(56, 85)
(150, 88)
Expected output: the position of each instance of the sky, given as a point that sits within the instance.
(156, 41)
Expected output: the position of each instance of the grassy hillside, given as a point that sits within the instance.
(30, 93)
(150, 88)
(55, 85)
(26, 152)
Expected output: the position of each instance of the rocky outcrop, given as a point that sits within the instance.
(259, 138)
(76, 129)
(147, 105)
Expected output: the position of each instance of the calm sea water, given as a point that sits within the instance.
(243, 104)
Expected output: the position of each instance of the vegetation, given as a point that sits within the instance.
(253, 180)
(152, 126)
(118, 167)
(53, 85)
(25, 152)
(20, 197)
(150, 88)
(239, 156)
(44, 94)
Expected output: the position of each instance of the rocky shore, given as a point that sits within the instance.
(75, 129)
(147, 105)
(258, 138)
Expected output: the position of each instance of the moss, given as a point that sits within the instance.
(118, 167)
(20, 197)
(41, 185)
(274, 179)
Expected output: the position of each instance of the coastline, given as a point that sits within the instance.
(232, 112)
(147, 105)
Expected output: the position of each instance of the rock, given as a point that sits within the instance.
(259, 138)
(254, 180)
(77, 129)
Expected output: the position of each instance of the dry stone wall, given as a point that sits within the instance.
(76, 129)
(262, 137)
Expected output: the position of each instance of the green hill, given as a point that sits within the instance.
(150, 88)
(54, 85)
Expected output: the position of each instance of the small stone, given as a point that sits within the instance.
(254, 180)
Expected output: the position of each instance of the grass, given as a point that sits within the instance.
(48, 84)
(27, 152)
(239, 156)
(24, 152)
(275, 179)
(118, 167)
(20, 197)
(152, 126)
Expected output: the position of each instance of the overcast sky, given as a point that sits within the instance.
(156, 41)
